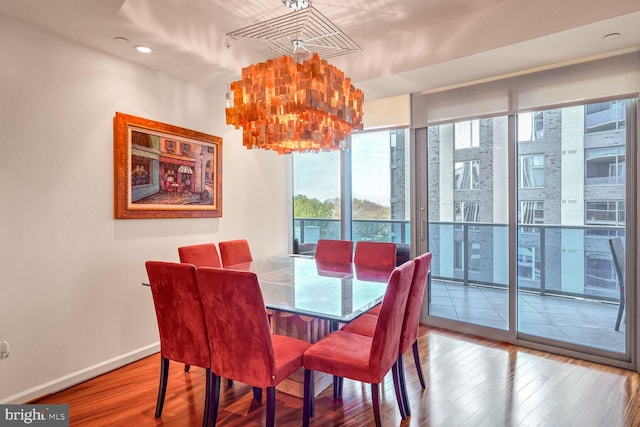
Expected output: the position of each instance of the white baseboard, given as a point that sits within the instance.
(81, 376)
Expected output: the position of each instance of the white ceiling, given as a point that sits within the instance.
(407, 46)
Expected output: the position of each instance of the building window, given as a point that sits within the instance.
(601, 279)
(458, 255)
(605, 116)
(467, 134)
(529, 264)
(171, 146)
(530, 213)
(185, 149)
(530, 126)
(466, 175)
(612, 212)
(531, 171)
(465, 212)
(605, 166)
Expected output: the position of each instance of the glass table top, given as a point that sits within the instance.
(301, 285)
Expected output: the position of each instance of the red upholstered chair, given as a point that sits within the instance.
(205, 255)
(334, 251)
(366, 324)
(235, 252)
(242, 347)
(181, 324)
(375, 254)
(359, 357)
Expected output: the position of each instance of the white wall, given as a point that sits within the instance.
(71, 303)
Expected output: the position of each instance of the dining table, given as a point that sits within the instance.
(308, 299)
(301, 285)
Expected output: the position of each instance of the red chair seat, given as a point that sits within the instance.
(363, 325)
(345, 355)
(375, 310)
(287, 353)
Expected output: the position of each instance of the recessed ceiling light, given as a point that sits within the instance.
(143, 49)
(611, 36)
(121, 40)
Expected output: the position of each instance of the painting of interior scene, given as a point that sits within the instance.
(166, 170)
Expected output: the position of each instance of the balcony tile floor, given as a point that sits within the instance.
(583, 322)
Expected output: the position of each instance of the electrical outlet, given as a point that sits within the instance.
(4, 350)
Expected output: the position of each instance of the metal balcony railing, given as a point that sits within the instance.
(551, 259)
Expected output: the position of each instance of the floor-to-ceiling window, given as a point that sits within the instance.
(380, 186)
(556, 258)
(359, 194)
(316, 199)
(568, 289)
(566, 204)
(468, 218)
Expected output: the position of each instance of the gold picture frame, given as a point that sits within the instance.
(165, 171)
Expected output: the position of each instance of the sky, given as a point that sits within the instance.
(317, 175)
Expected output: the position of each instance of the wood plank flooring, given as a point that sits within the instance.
(470, 382)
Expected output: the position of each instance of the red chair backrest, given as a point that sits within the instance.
(183, 334)
(338, 251)
(375, 254)
(235, 252)
(239, 336)
(205, 255)
(411, 323)
(386, 338)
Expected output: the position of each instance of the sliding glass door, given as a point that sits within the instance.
(554, 183)
(468, 218)
(571, 231)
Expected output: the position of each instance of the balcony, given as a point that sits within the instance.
(567, 287)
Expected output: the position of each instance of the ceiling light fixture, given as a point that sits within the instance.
(143, 49)
(295, 101)
(296, 5)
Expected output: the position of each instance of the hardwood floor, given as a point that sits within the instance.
(470, 382)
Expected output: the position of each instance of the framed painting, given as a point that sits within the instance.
(165, 171)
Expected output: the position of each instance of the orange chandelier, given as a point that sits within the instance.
(286, 106)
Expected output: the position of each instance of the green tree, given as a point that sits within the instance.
(304, 207)
(365, 209)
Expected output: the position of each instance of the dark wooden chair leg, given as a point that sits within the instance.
(207, 397)
(257, 393)
(337, 390)
(416, 359)
(214, 399)
(313, 396)
(271, 406)
(375, 397)
(307, 405)
(229, 383)
(403, 387)
(397, 386)
(162, 387)
(187, 367)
